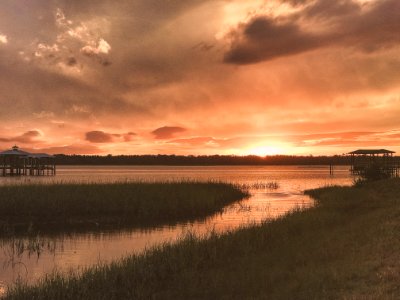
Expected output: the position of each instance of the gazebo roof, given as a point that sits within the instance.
(372, 151)
(15, 151)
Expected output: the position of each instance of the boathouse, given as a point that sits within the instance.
(363, 160)
(16, 162)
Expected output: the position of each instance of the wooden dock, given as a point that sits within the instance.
(15, 162)
(381, 160)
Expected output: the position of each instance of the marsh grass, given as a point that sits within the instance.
(35, 207)
(345, 247)
(261, 185)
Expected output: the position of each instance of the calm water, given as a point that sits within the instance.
(74, 252)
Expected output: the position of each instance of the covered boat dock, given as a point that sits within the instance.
(363, 160)
(16, 162)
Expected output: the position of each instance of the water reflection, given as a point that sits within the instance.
(29, 259)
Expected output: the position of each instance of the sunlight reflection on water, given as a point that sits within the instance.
(76, 251)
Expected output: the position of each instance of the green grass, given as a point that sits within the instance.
(346, 247)
(61, 206)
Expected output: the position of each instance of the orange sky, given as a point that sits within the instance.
(200, 76)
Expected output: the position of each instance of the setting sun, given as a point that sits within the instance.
(265, 150)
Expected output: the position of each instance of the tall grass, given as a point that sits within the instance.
(346, 247)
(260, 185)
(58, 206)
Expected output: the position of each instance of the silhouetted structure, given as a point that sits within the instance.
(379, 160)
(15, 162)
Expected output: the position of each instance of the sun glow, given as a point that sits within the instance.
(266, 150)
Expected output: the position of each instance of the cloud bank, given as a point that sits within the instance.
(297, 75)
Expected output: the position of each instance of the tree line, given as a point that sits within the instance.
(201, 160)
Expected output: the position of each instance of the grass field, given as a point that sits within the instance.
(346, 247)
(80, 206)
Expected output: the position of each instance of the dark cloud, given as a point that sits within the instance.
(97, 136)
(341, 23)
(264, 39)
(25, 138)
(71, 61)
(167, 132)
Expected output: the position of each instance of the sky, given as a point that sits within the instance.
(201, 77)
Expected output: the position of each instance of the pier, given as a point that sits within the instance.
(16, 162)
(381, 160)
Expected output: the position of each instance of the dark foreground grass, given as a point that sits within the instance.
(62, 206)
(346, 247)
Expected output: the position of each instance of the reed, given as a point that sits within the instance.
(345, 247)
(59, 206)
(271, 185)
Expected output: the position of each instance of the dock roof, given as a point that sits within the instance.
(372, 151)
(17, 152)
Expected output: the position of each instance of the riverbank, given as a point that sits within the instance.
(62, 207)
(347, 246)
